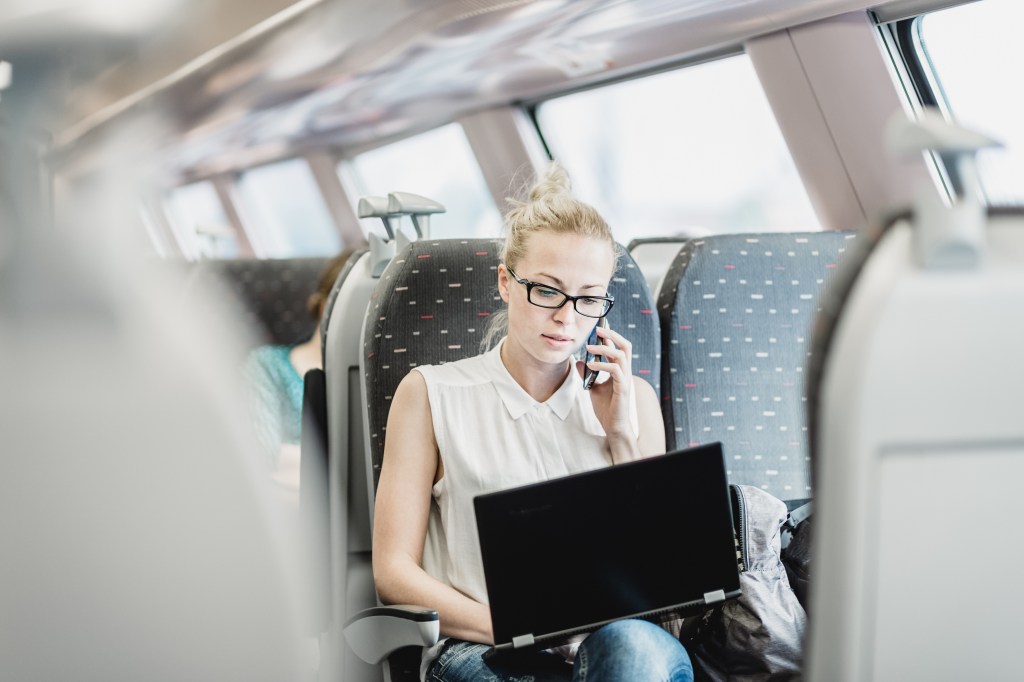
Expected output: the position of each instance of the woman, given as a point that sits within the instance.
(517, 414)
(274, 378)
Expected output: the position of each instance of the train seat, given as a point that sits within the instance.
(918, 454)
(140, 540)
(314, 464)
(654, 255)
(396, 340)
(267, 296)
(736, 314)
(347, 507)
(333, 498)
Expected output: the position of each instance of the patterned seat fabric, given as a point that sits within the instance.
(271, 294)
(432, 306)
(736, 314)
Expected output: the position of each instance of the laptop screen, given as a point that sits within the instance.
(572, 553)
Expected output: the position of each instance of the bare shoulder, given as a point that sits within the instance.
(409, 414)
(412, 387)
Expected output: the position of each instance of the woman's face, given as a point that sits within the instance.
(575, 264)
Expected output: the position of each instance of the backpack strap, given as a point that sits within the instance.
(794, 519)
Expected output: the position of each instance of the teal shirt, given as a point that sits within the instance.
(275, 392)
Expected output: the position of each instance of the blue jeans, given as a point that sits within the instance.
(625, 650)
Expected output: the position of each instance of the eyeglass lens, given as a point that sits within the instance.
(546, 297)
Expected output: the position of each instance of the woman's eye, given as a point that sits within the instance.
(591, 301)
(546, 293)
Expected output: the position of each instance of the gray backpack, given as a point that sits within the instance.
(758, 636)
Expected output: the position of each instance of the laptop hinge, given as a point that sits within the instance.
(713, 597)
(523, 640)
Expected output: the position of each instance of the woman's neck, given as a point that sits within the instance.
(539, 380)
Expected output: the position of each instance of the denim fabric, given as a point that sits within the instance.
(625, 650)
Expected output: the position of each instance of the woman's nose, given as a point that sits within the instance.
(566, 314)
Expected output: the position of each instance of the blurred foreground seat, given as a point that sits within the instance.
(918, 451)
(139, 541)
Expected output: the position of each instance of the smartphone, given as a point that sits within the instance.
(589, 375)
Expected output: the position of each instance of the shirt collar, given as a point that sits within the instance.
(517, 401)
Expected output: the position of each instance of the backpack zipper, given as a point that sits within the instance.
(740, 524)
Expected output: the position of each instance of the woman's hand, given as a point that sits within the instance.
(613, 399)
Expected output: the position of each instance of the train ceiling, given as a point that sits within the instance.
(240, 85)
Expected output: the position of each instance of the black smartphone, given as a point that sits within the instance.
(589, 375)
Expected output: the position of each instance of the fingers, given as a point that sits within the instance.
(616, 338)
(616, 353)
(616, 348)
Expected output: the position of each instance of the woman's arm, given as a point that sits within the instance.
(401, 512)
(652, 425)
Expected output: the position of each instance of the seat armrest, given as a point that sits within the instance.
(375, 633)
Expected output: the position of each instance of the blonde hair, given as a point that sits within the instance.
(549, 207)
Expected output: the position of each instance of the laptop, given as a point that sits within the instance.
(649, 539)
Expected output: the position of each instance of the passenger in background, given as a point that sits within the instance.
(274, 375)
(514, 415)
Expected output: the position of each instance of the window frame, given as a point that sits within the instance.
(345, 165)
(903, 40)
(258, 229)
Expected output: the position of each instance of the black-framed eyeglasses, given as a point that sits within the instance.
(544, 296)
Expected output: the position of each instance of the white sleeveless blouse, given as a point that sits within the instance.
(492, 435)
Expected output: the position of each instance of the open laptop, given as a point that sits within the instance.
(648, 539)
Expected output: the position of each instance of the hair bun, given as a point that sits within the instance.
(553, 181)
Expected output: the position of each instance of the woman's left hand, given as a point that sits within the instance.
(613, 399)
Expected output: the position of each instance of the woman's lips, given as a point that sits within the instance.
(558, 340)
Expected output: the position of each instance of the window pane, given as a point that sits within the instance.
(199, 223)
(440, 165)
(975, 53)
(690, 151)
(284, 212)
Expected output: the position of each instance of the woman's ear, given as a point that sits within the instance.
(503, 282)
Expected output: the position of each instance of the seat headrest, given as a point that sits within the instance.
(270, 294)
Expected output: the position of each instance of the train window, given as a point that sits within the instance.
(284, 212)
(199, 223)
(970, 50)
(438, 164)
(689, 151)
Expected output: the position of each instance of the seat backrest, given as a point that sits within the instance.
(918, 455)
(736, 314)
(134, 518)
(270, 294)
(348, 507)
(432, 305)
(654, 255)
(348, 502)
